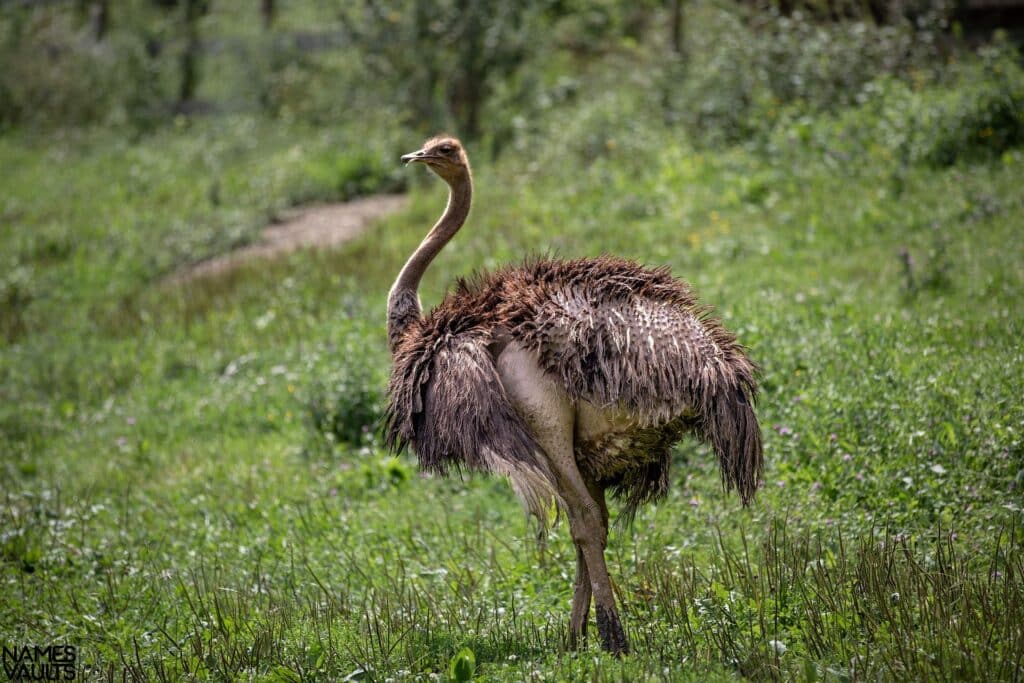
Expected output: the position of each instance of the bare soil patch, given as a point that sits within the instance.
(323, 226)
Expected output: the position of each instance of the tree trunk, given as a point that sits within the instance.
(677, 26)
(99, 19)
(194, 9)
(467, 94)
(267, 9)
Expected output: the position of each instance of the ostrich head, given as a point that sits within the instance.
(444, 156)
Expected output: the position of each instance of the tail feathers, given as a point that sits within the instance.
(729, 424)
(532, 484)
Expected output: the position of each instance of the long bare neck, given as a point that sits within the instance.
(404, 299)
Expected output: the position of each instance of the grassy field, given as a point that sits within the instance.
(194, 485)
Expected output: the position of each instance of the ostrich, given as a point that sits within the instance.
(569, 378)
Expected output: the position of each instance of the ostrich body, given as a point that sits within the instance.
(568, 377)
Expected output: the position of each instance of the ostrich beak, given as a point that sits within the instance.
(421, 155)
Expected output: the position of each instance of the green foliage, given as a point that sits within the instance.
(345, 400)
(15, 298)
(194, 487)
(447, 55)
(825, 66)
(318, 86)
(974, 115)
(334, 176)
(479, 68)
(984, 118)
(462, 666)
(740, 72)
(57, 72)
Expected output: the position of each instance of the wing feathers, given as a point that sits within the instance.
(447, 402)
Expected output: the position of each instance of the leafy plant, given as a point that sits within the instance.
(982, 119)
(342, 176)
(56, 72)
(344, 401)
(462, 666)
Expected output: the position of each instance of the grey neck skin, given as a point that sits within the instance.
(403, 299)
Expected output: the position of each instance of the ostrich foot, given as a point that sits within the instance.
(613, 637)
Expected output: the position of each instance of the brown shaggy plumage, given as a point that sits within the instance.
(615, 334)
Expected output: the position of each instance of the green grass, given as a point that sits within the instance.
(174, 505)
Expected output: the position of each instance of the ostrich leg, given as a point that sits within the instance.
(582, 594)
(580, 603)
(542, 401)
(590, 533)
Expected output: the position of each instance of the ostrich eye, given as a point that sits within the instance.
(447, 149)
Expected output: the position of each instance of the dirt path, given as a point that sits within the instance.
(327, 225)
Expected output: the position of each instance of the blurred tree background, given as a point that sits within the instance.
(486, 69)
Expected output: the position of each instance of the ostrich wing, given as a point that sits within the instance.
(447, 402)
(636, 341)
(661, 362)
(621, 335)
(654, 359)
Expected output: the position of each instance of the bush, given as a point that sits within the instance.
(15, 297)
(320, 87)
(56, 73)
(826, 65)
(741, 72)
(981, 119)
(720, 85)
(976, 114)
(344, 405)
(337, 176)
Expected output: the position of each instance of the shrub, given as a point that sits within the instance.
(741, 72)
(826, 65)
(721, 84)
(981, 119)
(16, 294)
(975, 114)
(344, 405)
(299, 83)
(360, 172)
(56, 73)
